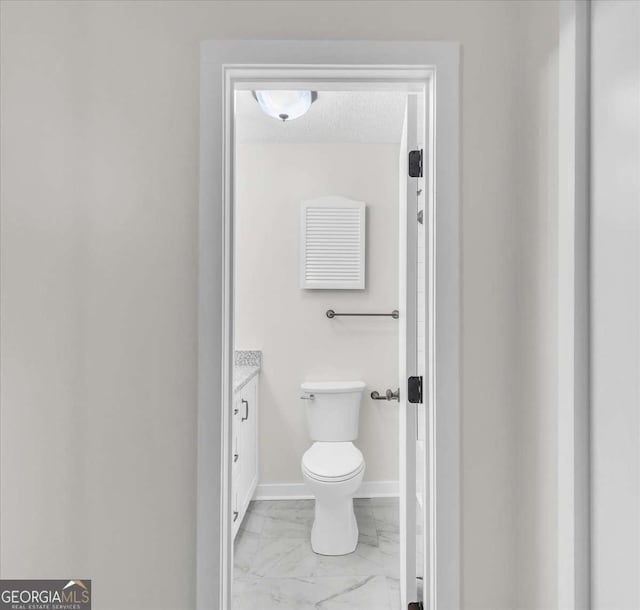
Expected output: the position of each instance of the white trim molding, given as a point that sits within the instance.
(225, 64)
(299, 491)
(573, 308)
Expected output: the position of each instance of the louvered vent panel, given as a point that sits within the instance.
(333, 233)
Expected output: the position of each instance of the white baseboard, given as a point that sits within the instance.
(299, 491)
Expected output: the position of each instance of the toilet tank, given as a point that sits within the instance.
(333, 409)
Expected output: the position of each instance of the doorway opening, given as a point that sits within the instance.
(232, 66)
(329, 219)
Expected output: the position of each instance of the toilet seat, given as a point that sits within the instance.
(332, 462)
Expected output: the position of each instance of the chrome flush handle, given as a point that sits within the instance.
(308, 397)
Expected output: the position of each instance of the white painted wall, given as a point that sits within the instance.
(289, 324)
(99, 141)
(615, 306)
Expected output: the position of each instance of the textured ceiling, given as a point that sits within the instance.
(336, 116)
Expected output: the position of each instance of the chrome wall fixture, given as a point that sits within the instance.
(388, 395)
(395, 314)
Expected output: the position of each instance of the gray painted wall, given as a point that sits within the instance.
(615, 304)
(99, 146)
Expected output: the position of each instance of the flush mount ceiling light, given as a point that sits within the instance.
(285, 105)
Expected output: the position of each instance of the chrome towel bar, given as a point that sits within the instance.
(394, 314)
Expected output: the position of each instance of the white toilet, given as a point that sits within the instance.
(333, 467)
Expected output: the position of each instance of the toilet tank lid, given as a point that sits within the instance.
(332, 387)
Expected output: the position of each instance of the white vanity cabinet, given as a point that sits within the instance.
(244, 450)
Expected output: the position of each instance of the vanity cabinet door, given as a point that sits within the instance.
(249, 440)
(244, 450)
(236, 442)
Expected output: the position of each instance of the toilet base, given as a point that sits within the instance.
(335, 530)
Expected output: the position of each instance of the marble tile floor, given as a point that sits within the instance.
(275, 568)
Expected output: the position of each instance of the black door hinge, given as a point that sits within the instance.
(414, 390)
(415, 163)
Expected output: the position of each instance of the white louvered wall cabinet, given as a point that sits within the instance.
(332, 244)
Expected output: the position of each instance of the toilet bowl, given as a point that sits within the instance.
(333, 472)
(333, 467)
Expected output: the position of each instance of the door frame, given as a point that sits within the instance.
(223, 63)
(573, 552)
(413, 192)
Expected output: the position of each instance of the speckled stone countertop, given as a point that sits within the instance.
(246, 366)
